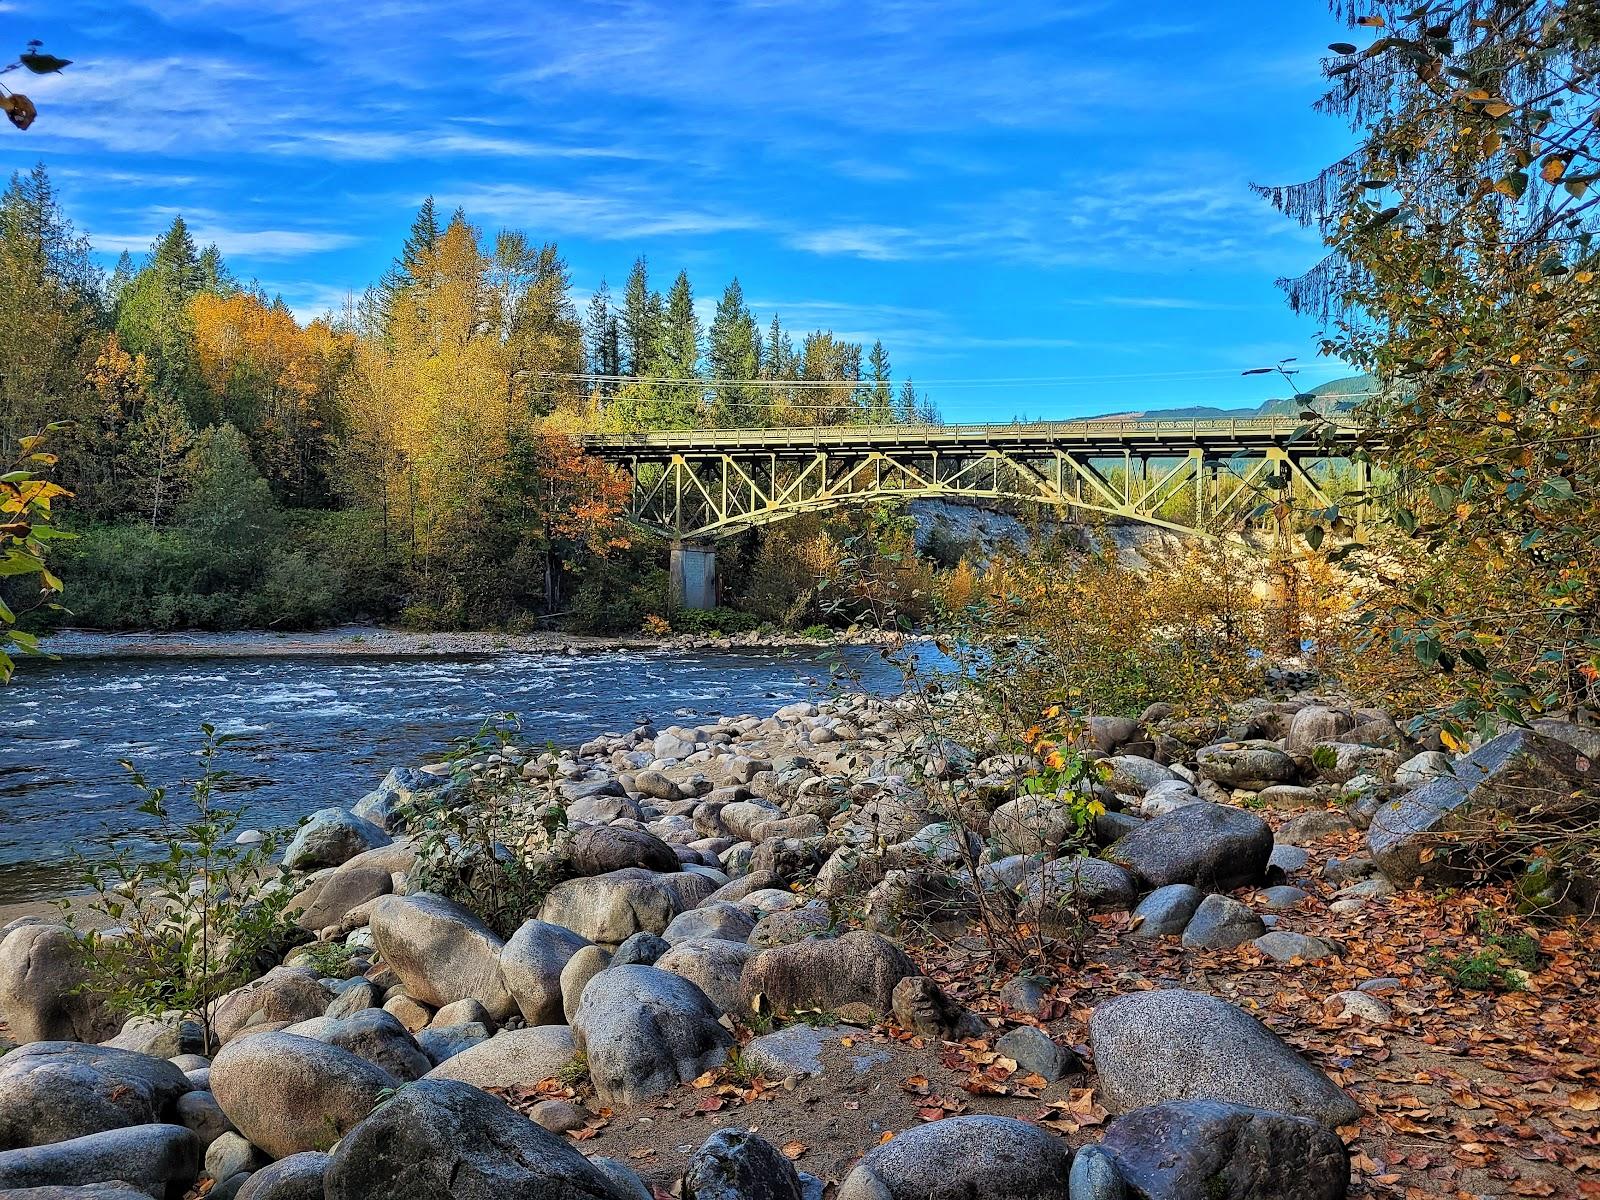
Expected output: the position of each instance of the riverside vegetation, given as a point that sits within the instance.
(1125, 904)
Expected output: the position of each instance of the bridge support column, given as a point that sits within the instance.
(694, 576)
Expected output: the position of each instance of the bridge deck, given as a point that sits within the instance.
(1109, 436)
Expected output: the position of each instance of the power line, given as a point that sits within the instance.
(803, 384)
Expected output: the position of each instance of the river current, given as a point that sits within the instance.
(320, 730)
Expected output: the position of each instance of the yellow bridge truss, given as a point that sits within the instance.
(1188, 476)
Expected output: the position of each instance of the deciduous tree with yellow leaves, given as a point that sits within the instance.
(1463, 273)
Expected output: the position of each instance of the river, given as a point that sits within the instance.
(321, 729)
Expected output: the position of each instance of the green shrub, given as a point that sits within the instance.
(206, 917)
(713, 621)
(491, 842)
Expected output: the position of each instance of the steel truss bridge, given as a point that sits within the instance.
(1191, 476)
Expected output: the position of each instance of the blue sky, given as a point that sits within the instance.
(1041, 208)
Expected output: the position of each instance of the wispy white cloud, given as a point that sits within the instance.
(613, 209)
(249, 243)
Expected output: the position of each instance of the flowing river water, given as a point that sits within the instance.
(321, 729)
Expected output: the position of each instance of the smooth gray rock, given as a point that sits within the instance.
(160, 1160)
(352, 885)
(358, 997)
(1503, 776)
(329, 838)
(1134, 776)
(1288, 859)
(199, 1111)
(608, 909)
(1166, 911)
(283, 996)
(42, 977)
(1276, 899)
(1035, 1050)
(55, 1091)
(374, 1035)
(441, 952)
(1054, 894)
(442, 1140)
(642, 949)
(1211, 846)
(1283, 946)
(713, 965)
(624, 1180)
(789, 925)
(1311, 827)
(1032, 825)
(443, 1042)
(298, 1177)
(230, 1154)
(826, 973)
(581, 967)
(1177, 1045)
(532, 962)
(117, 1190)
(600, 849)
(721, 920)
(287, 1093)
(1221, 922)
(1094, 1176)
(511, 1057)
(1189, 1149)
(165, 1036)
(961, 1158)
(645, 1031)
(1246, 765)
(734, 1164)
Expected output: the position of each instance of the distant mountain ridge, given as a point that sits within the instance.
(1335, 396)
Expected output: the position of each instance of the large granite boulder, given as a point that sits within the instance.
(1421, 834)
(1249, 765)
(644, 1031)
(532, 962)
(288, 1094)
(826, 973)
(1210, 846)
(1187, 1149)
(714, 919)
(442, 1140)
(42, 981)
(601, 849)
(1054, 893)
(160, 1160)
(441, 952)
(374, 1035)
(331, 837)
(55, 1091)
(1032, 825)
(714, 965)
(961, 1158)
(511, 1057)
(608, 909)
(1154, 1046)
(283, 996)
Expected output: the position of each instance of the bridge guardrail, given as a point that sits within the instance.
(830, 435)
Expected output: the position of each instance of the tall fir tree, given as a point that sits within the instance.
(602, 341)
(50, 294)
(410, 267)
(641, 320)
(880, 392)
(733, 360)
(153, 319)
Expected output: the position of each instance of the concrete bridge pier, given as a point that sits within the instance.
(694, 575)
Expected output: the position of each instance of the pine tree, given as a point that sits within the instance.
(733, 358)
(601, 341)
(677, 355)
(153, 319)
(410, 268)
(50, 296)
(880, 395)
(214, 274)
(641, 320)
(906, 406)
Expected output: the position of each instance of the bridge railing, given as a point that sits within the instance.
(1092, 429)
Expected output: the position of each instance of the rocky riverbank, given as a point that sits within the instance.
(753, 965)
(378, 641)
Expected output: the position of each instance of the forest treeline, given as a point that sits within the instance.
(408, 458)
